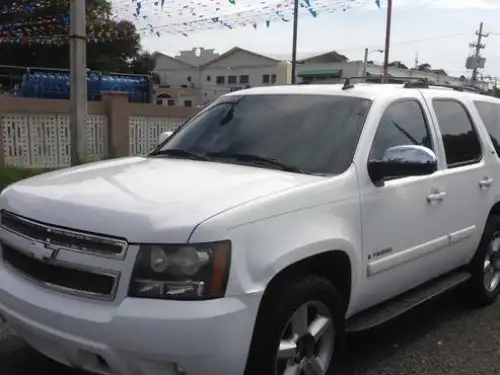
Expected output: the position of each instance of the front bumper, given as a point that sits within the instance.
(135, 336)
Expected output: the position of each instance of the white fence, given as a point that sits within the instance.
(144, 132)
(44, 141)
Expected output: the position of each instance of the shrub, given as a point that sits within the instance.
(9, 175)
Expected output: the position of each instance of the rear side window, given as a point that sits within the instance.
(461, 143)
(490, 115)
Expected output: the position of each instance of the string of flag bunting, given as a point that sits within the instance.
(157, 17)
(47, 21)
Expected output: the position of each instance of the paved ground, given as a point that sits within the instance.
(440, 338)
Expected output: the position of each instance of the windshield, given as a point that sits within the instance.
(310, 133)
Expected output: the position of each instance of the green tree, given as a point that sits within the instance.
(496, 92)
(143, 63)
(39, 37)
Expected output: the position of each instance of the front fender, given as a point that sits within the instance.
(264, 248)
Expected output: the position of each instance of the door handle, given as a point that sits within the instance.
(436, 197)
(486, 182)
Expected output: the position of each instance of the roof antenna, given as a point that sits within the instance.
(347, 84)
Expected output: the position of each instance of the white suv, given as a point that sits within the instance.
(253, 238)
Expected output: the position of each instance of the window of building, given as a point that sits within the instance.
(231, 80)
(209, 78)
(244, 79)
(403, 123)
(189, 79)
(171, 102)
(460, 140)
(265, 78)
(188, 103)
(220, 80)
(273, 78)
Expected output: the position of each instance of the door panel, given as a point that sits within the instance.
(404, 244)
(468, 177)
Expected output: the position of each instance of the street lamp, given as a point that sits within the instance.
(365, 63)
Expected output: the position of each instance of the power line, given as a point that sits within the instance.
(408, 41)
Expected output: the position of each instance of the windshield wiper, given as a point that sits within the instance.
(178, 152)
(256, 159)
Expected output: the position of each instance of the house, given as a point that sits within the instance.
(239, 68)
(199, 76)
(179, 81)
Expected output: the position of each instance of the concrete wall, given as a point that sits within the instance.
(36, 132)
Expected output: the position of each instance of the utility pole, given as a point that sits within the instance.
(387, 40)
(478, 46)
(294, 42)
(365, 61)
(365, 64)
(78, 80)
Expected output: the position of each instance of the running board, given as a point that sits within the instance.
(390, 309)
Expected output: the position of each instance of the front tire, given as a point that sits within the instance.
(484, 286)
(299, 329)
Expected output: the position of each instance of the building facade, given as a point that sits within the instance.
(199, 76)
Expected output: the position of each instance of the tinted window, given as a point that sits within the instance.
(461, 144)
(403, 123)
(316, 133)
(490, 115)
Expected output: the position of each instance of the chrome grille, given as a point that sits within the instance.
(61, 276)
(64, 238)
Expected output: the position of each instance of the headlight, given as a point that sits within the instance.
(187, 272)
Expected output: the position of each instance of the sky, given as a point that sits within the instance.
(439, 31)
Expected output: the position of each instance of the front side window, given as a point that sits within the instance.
(460, 140)
(317, 134)
(403, 123)
(490, 115)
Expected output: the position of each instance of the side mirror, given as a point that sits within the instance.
(403, 161)
(163, 137)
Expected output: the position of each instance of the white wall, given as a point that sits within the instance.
(212, 89)
(175, 73)
(234, 66)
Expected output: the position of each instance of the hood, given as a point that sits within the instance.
(143, 199)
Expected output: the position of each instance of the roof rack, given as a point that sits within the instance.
(427, 84)
(417, 83)
(413, 83)
(348, 85)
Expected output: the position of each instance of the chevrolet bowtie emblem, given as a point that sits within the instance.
(53, 254)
